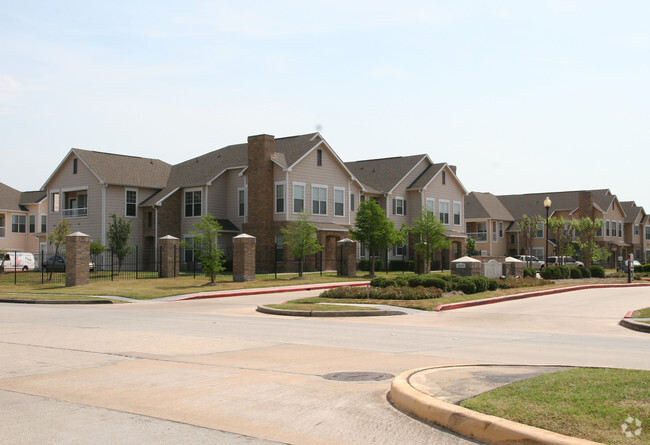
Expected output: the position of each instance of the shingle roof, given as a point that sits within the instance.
(384, 174)
(426, 176)
(9, 198)
(32, 197)
(485, 205)
(201, 170)
(125, 170)
(532, 204)
(632, 211)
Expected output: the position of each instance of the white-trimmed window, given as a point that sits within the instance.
(607, 228)
(339, 201)
(540, 231)
(43, 223)
(647, 232)
(494, 232)
(399, 206)
(18, 223)
(32, 223)
(319, 200)
(613, 228)
(298, 197)
(55, 202)
(131, 203)
(443, 208)
(352, 202)
(538, 252)
(189, 251)
(3, 225)
(241, 201)
(620, 229)
(500, 229)
(192, 204)
(430, 206)
(279, 197)
(399, 250)
(636, 229)
(457, 214)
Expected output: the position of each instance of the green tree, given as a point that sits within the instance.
(119, 232)
(301, 238)
(470, 246)
(528, 227)
(205, 240)
(559, 229)
(587, 229)
(430, 237)
(373, 228)
(57, 237)
(96, 249)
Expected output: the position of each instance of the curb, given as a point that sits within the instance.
(6, 300)
(483, 427)
(634, 325)
(270, 290)
(451, 306)
(296, 313)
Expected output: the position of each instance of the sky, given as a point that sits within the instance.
(522, 96)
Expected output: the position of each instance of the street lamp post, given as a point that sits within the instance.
(547, 205)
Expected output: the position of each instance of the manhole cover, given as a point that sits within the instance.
(358, 376)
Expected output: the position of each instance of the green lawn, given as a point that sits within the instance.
(586, 403)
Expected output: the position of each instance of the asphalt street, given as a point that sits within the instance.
(216, 371)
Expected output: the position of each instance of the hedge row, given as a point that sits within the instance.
(383, 293)
(576, 273)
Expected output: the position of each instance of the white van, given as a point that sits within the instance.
(23, 261)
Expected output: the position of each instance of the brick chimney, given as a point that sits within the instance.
(260, 191)
(585, 204)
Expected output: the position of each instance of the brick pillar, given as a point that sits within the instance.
(170, 256)
(243, 258)
(77, 270)
(346, 258)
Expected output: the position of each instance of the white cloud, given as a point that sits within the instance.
(9, 88)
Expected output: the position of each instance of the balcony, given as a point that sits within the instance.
(479, 237)
(79, 212)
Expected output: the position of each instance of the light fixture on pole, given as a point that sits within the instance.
(547, 205)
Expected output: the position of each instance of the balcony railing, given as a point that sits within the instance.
(75, 213)
(479, 236)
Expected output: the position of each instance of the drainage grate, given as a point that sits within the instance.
(358, 376)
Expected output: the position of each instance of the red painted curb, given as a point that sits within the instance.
(451, 306)
(629, 314)
(270, 290)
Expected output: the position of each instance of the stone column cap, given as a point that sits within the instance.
(77, 234)
(243, 235)
(345, 240)
(168, 237)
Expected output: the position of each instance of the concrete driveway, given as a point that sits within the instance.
(157, 372)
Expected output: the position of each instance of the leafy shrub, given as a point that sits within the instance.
(433, 281)
(401, 281)
(548, 273)
(415, 281)
(382, 282)
(597, 271)
(466, 286)
(555, 273)
(530, 272)
(585, 272)
(493, 284)
(383, 293)
(480, 282)
(574, 272)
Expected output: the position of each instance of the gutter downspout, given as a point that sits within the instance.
(155, 236)
(104, 187)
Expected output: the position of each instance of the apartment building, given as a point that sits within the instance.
(23, 219)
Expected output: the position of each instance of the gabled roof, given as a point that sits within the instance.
(14, 200)
(632, 212)
(382, 175)
(110, 168)
(532, 204)
(485, 206)
(426, 176)
(205, 169)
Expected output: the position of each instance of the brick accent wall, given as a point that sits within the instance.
(260, 192)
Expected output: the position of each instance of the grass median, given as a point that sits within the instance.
(587, 403)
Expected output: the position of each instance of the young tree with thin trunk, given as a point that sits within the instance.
(301, 238)
(57, 237)
(119, 233)
(205, 240)
(430, 237)
(373, 228)
(559, 229)
(587, 229)
(528, 227)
